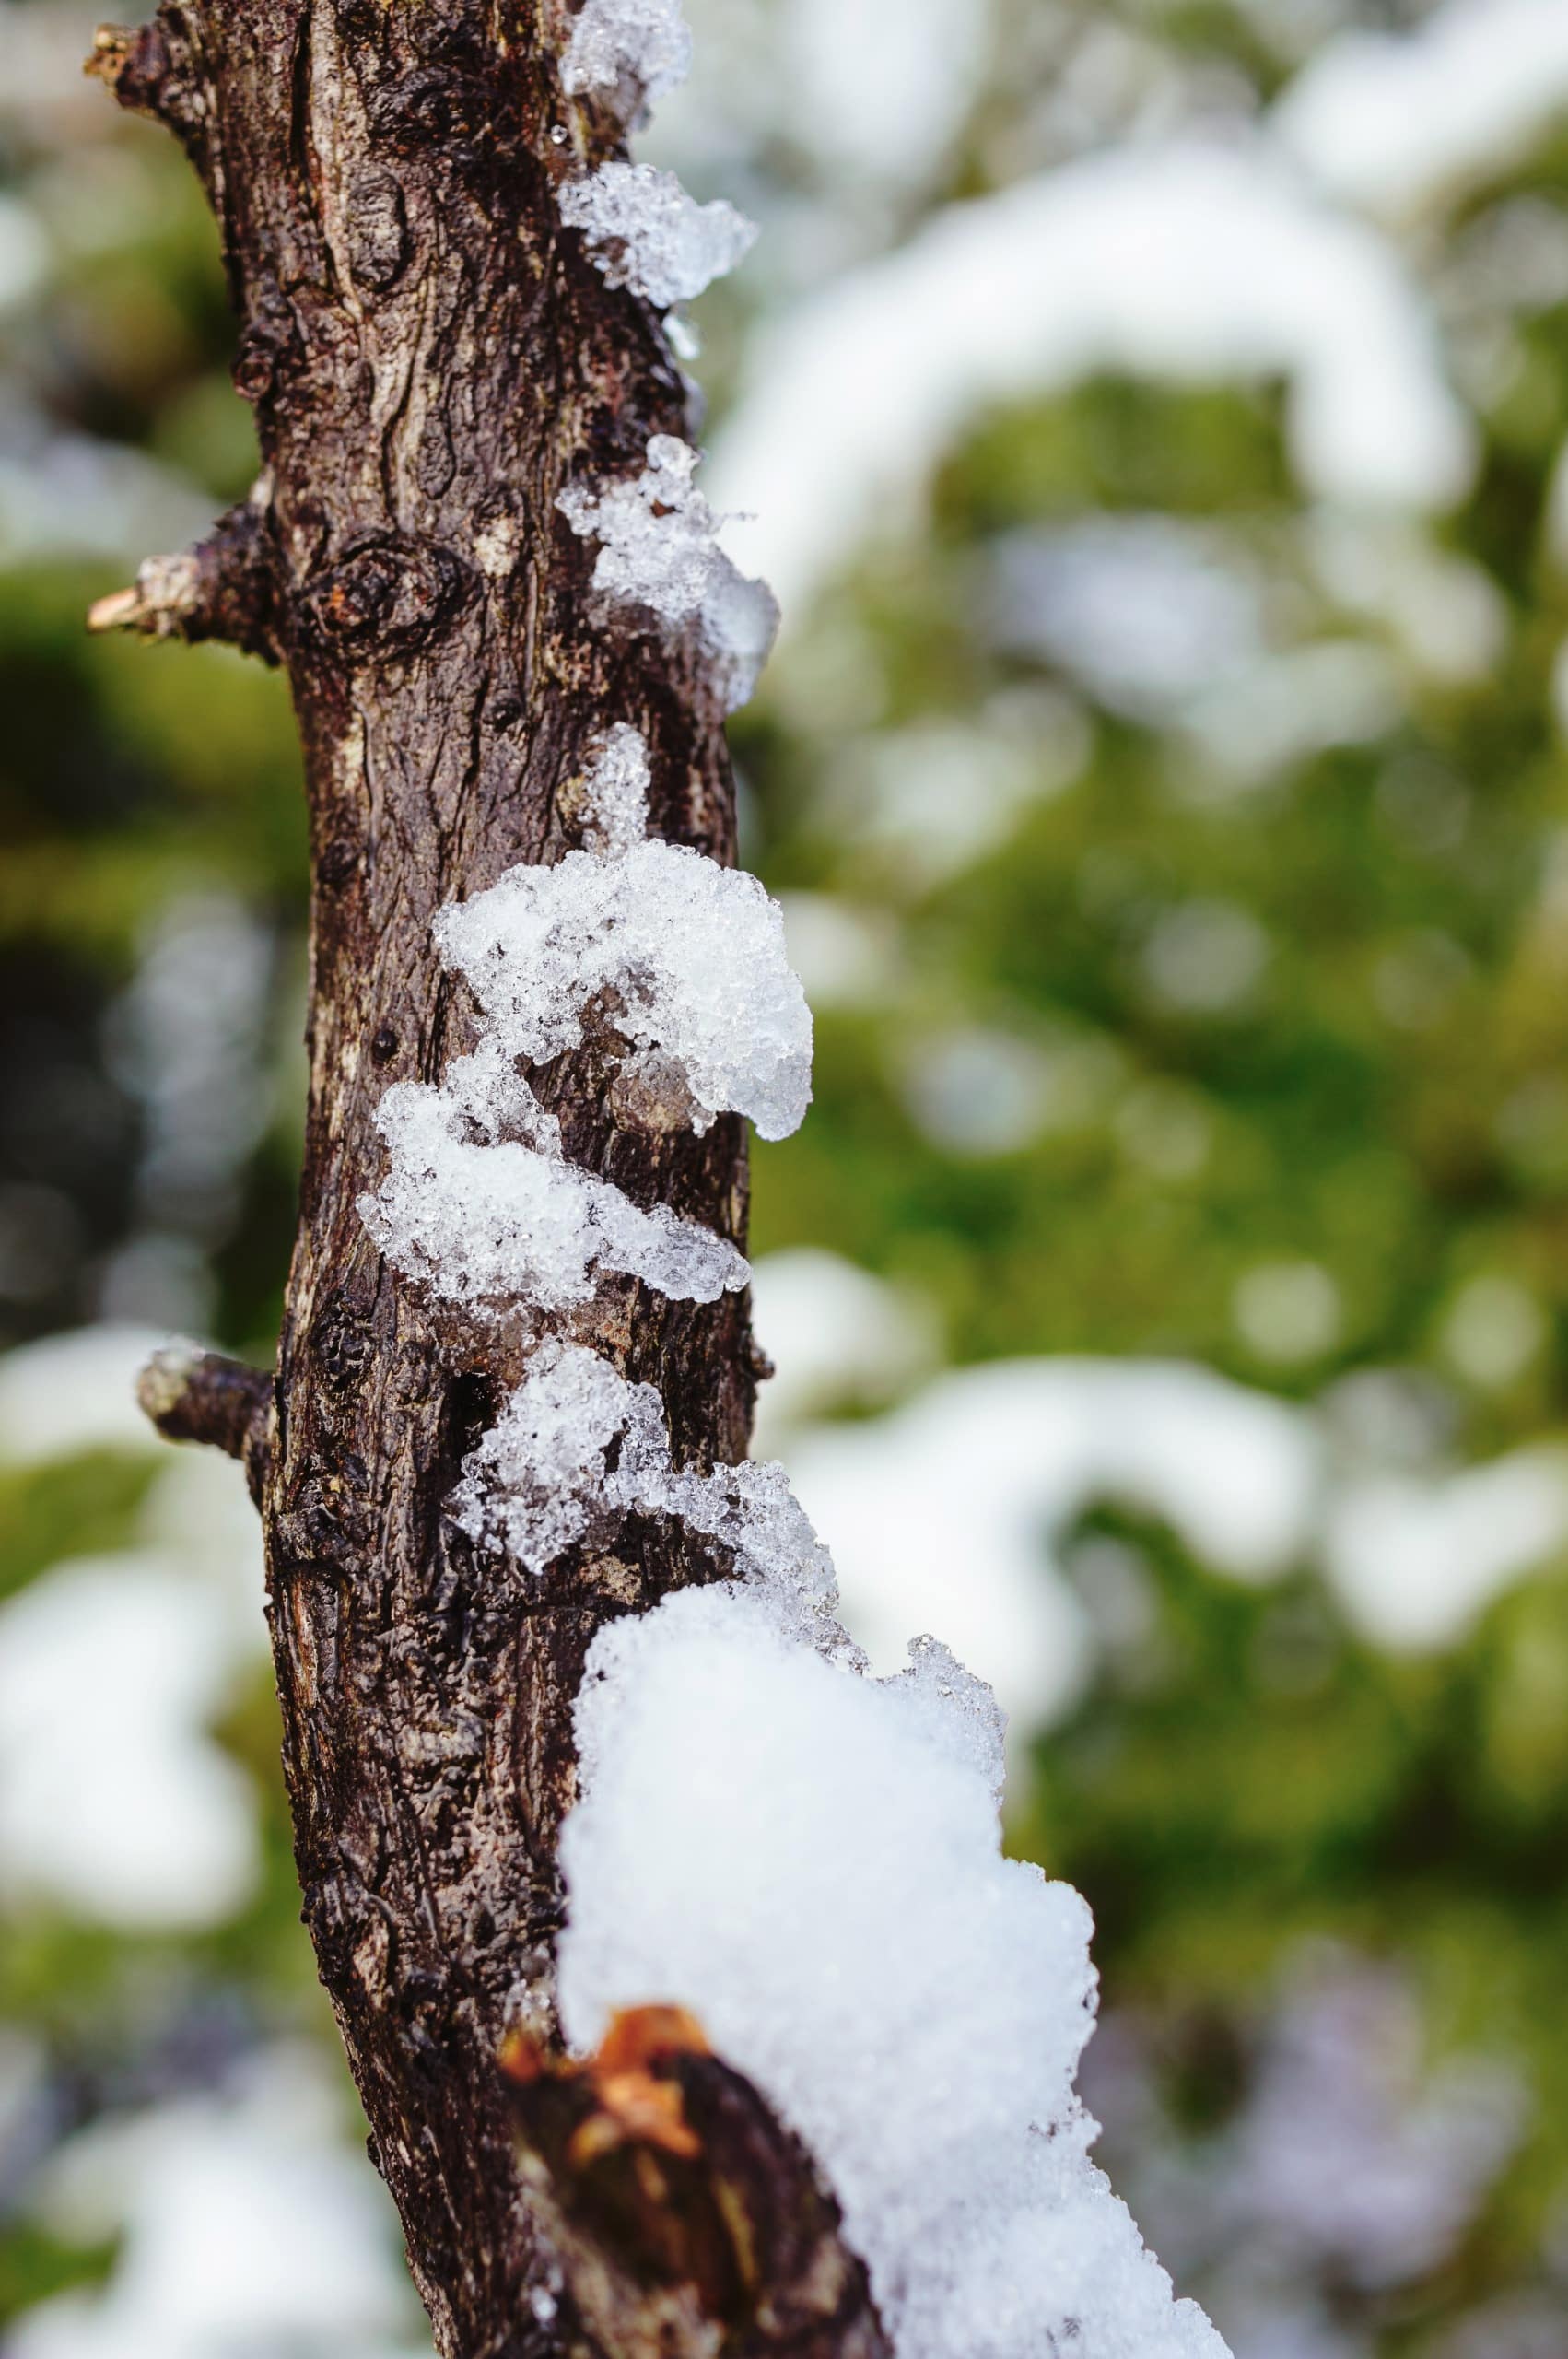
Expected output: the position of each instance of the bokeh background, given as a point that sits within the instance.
(1154, 413)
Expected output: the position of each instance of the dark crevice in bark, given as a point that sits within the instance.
(426, 355)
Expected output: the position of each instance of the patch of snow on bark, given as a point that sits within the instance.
(659, 550)
(645, 232)
(641, 46)
(541, 1480)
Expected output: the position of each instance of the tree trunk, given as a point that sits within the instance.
(432, 359)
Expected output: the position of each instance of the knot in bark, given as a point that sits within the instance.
(390, 595)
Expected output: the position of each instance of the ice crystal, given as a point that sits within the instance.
(541, 1479)
(657, 549)
(645, 232)
(620, 47)
(615, 794)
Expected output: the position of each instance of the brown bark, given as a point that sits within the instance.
(431, 359)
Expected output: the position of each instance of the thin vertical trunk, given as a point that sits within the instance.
(431, 360)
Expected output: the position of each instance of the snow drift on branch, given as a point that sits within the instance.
(810, 1859)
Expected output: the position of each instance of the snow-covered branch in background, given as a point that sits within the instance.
(1190, 263)
(1396, 124)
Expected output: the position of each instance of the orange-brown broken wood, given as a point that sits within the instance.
(687, 2216)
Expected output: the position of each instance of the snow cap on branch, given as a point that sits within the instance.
(645, 232)
(811, 1861)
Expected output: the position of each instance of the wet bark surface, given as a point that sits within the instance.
(431, 359)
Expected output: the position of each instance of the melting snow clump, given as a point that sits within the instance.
(647, 234)
(485, 1220)
(541, 1480)
(684, 964)
(644, 43)
(689, 955)
(657, 548)
(810, 1859)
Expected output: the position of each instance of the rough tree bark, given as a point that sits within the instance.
(430, 359)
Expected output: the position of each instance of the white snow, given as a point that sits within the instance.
(927, 800)
(976, 1090)
(1443, 612)
(75, 1392)
(680, 963)
(1416, 1558)
(1178, 624)
(615, 794)
(690, 956)
(643, 44)
(1147, 610)
(923, 59)
(250, 2225)
(645, 232)
(846, 954)
(67, 495)
(1190, 263)
(1399, 123)
(657, 549)
(490, 1221)
(947, 1515)
(113, 1802)
(837, 1337)
(541, 1480)
(810, 1860)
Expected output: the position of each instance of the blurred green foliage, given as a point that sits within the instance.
(1369, 1085)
